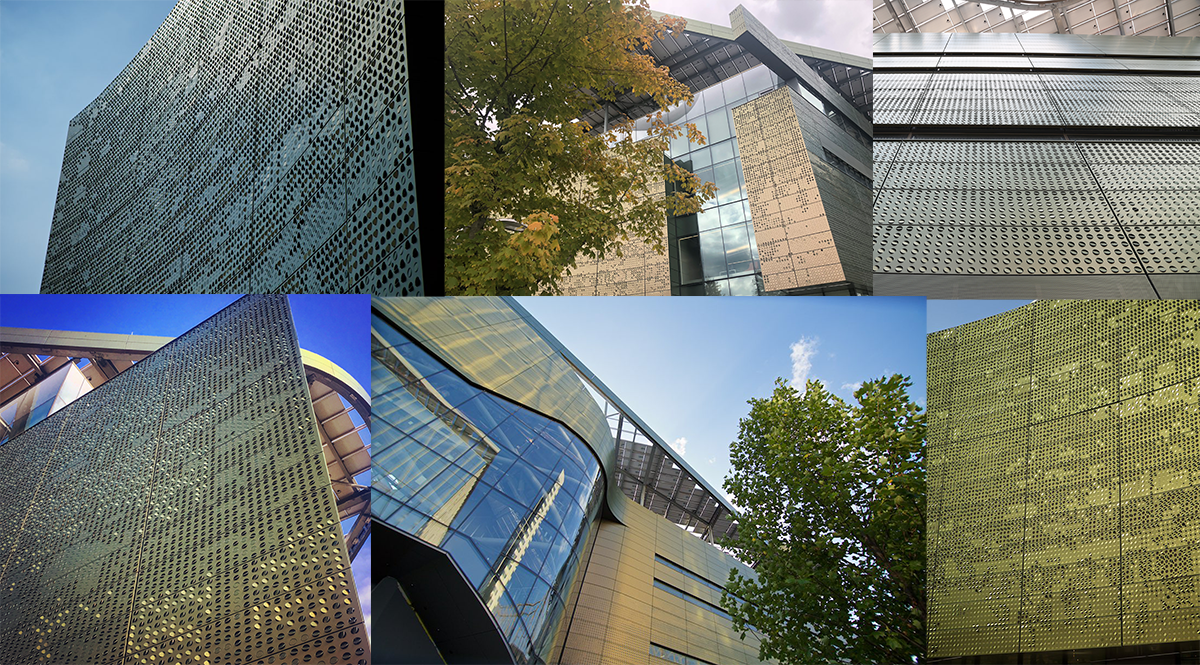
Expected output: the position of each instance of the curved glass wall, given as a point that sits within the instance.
(510, 494)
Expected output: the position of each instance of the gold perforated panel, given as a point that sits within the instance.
(621, 611)
(181, 512)
(1064, 478)
(640, 271)
(794, 241)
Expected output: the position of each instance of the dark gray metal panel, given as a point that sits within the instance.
(453, 625)
(752, 35)
(1015, 286)
(1176, 286)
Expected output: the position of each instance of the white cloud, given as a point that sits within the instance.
(852, 386)
(12, 161)
(712, 460)
(679, 445)
(802, 353)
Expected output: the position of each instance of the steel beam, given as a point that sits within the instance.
(358, 534)
(1120, 23)
(895, 16)
(1170, 18)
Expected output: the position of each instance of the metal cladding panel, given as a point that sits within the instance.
(1064, 478)
(790, 225)
(638, 271)
(181, 512)
(1084, 164)
(251, 145)
(622, 616)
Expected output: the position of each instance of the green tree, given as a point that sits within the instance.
(833, 499)
(519, 73)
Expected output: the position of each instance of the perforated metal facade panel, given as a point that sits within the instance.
(1050, 168)
(1064, 478)
(633, 604)
(181, 512)
(250, 146)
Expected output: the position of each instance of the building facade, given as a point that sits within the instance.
(181, 512)
(1037, 165)
(528, 516)
(251, 146)
(788, 130)
(1064, 485)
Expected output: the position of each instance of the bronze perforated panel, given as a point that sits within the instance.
(181, 512)
(639, 271)
(1064, 478)
(633, 604)
(794, 240)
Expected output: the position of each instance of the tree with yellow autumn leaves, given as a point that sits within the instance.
(519, 75)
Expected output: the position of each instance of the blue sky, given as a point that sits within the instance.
(688, 365)
(336, 327)
(944, 314)
(55, 58)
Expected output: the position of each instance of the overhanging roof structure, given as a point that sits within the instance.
(28, 355)
(650, 472)
(704, 54)
(1159, 18)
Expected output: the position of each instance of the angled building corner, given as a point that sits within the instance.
(530, 516)
(180, 511)
(251, 146)
(789, 147)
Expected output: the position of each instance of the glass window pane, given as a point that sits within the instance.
(439, 491)
(737, 250)
(679, 145)
(713, 98)
(702, 125)
(734, 89)
(757, 80)
(697, 109)
(705, 175)
(492, 523)
(712, 254)
(467, 558)
(701, 158)
(689, 260)
(692, 290)
(734, 213)
(718, 126)
(453, 390)
(708, 219)
(522, 483)
(728, 187)
(485, 411)
(722, 152)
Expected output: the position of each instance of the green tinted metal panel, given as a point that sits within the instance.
(1064, 482)
(181, 513)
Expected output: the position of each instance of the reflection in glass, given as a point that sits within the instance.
(729, 187)
(737, 249)
(719, 128)
(722, 152)
(708, 219)
(511, 495)
(712, 254)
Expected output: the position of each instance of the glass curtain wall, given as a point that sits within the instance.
(510, 494)
(715, 249)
